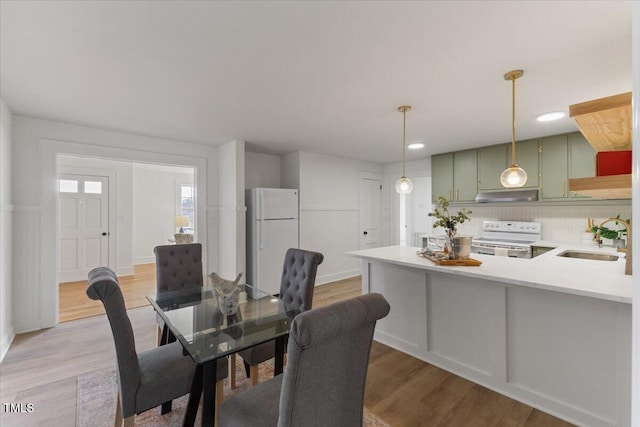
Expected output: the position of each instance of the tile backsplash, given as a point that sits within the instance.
(562, 223)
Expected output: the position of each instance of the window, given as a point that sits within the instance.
(186, 206)
(68, 186)
(93, 187)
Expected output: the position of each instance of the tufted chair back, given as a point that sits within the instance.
(178, 267)
(104, 286)
(299, 278)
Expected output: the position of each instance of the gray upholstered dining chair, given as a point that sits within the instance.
(296, 291)
(324, 380)
(150, 378)
(177, 267)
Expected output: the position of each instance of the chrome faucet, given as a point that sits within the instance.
(627, 226)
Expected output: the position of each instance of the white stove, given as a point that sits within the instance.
(507, 238)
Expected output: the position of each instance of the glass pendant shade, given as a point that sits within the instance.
(404, 185)
(512, 177)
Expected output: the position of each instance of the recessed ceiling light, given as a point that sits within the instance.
(550, 116)
(415, 146)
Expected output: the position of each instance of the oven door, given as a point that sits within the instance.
(503, 250)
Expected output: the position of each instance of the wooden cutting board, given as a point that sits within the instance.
(469, 262)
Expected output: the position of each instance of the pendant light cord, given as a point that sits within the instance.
(404, 129)
(513, 121)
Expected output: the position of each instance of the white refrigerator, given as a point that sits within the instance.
(272, 228)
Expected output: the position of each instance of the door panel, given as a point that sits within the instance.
(369, 207)
(84, 225)
(68, 254)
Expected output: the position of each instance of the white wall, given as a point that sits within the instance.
(261, 170)
(290, 170)
(155, 198)
(635, 404)
(232, 210)
(329, 213)
(6, 226)
(120, 226)
(36, 144)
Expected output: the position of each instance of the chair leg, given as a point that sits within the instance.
(118, 420)
(232, 371)
(254, 375)
(247, 369)
(219, 398)
(130, 421)
(159, 336)
(166, 408)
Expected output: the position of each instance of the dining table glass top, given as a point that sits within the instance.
(195, 319)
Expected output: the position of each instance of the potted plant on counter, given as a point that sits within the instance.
(450, 223)
(616, 235)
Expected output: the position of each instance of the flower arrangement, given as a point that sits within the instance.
(445, 219)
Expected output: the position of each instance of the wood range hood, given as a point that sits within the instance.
(606, 124)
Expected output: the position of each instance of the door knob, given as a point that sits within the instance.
(104, 233)
(365, 233)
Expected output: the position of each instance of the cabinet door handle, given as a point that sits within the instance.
(450, 195)
(563, 188)
(457, 194)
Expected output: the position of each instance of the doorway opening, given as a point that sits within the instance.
(414, 223)
(113, 213)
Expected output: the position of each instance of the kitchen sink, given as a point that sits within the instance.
(588, 255)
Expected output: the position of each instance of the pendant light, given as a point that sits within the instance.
(404, 184)
(513, 176)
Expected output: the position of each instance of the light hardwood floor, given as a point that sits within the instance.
(42, 368)
(74, 303)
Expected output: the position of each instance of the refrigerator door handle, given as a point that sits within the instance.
(260, 235)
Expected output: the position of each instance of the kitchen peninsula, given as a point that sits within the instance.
(552, 332)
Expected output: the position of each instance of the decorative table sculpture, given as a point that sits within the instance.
(227, 293)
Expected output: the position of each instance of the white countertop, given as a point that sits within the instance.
(597, 279)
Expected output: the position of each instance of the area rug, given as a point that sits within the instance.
(96, 401)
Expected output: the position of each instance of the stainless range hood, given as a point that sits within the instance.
(507, 196)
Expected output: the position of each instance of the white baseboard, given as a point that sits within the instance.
(144, 260)
(5, 343)
(125, 271)
(328, 278)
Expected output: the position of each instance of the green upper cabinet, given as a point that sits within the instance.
(491, 162)
(582, 160)
(527, 159)
(494, 159)
(455, 176)
(555, 161)
(441, 176)
(564, 157)
(465, 175)
(549, 163)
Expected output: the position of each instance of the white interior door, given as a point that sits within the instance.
(84, 225)
(369, 205)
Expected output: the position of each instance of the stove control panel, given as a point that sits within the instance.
(512, 226)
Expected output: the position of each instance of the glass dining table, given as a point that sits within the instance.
(207, 335)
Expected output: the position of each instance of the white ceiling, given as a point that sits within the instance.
(325, 77)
